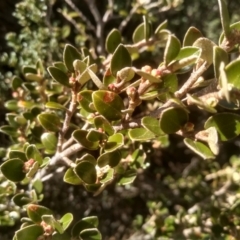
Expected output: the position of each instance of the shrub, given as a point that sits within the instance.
(101, 121)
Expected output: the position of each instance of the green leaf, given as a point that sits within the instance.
(161, 26)
(49, 121)
(21, 199)
(95, 79)
(147, 76)
(85, 99)
(61, 66)
(207, 49)
(109, 104)
(114, 142)
(233, 74)
(33, 77)
(35, 212)
(104, 124)
(66, 220)
(191, 36)
(29, 69)
(87, 157)
(113, 40)
(55, 105)
(142, 32)
(84, 76)
(59, 76)
(109, 158)
(11, 131)
(172, 49)
(227, 125)
(108, 176)
(16, 82)
(172, 119)
(13, 170)
(50, 220)
(152, 124)
(199, 148)
(81, 137)
(71, 177)
(31, 232)
(49, 141)
(95, 135)
(219, 55)
(33, 153)
(140, 134)
(90, 234)
(86, 172)
(233, 27)
(120, 59)
(70, 54)
(224, 18)
(128, 177)
(18, 154)
(11, 105)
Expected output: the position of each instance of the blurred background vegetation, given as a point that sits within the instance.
(177, 193)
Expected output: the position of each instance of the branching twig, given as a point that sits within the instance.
(80, 14)
(100, 25)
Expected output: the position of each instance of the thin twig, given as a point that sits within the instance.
(100, 25)
(80, 14)
(109, 12)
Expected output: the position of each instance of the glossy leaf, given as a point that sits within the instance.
(199, 148)
(31, 232)
(49, 121)
(61, 66)
(128, 177)
(113, 40)
(84, 76)
(35, 212)
(11, 131)
(21, 199)
(147, 76)
(18, 154)
(224, 17)
(142, 32)
(120, 59)
(16, 82)
(59, 76)
(33, 153)
(109, 104)
(70, 54)
(90, 234)
(109, 158)
(66, 220)
(29, 69)
(71, 177)
(95, 79)
(81, 137)
(172, 119)
(114, 142)
(86, 172)
(87, 157)
(85, 223)
(95, 135)
(85, 99)
(108, 176)
(152, 124)
(140, 134)
(33, 77)
(13, 170)
(103, 124)
(11, 105)
(219, 55)
(50, 220)
(232, 72)
(49, 141)
(227, 125)
(161, 26)
(55, 105)
(191, 36)
(172, 49)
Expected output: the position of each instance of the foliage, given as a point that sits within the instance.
(101, 120)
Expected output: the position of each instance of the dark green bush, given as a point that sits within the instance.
(148, 123)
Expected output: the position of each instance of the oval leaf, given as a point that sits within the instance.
(49, 141)
(191, 36)
(33, 153)
(35, 212)
(86, 172)
(172, 49)
(91, 234)
(31, 232)
(13, 170)
(109, 158)
(172, 119)
(227, 125)
(120, 59)
(109, 104)
(113, 40)
(71, 177)
(49, 121)
(59, 76)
